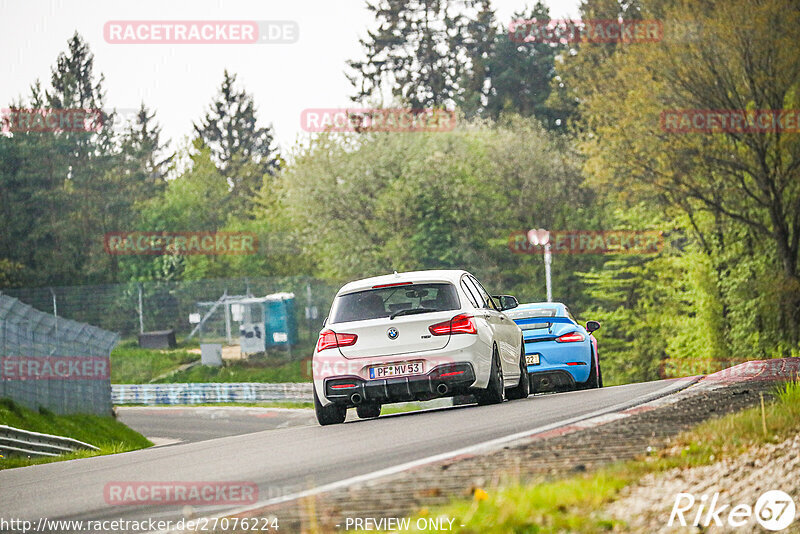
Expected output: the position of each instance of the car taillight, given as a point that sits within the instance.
(395, 284)
(571, 337)
(329, 339)
(460, 324)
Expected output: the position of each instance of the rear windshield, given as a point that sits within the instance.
(383, 302)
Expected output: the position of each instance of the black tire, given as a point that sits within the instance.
(522, 390)
(368, 410)
(595, 379)
(331, 414)
(494, 392)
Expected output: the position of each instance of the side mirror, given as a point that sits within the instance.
(591, 326)
(506, 302)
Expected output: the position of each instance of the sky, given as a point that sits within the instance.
(180, 80)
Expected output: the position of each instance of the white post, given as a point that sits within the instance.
(141, 312)
(228, 322)
(55, 311)
(542, 237)
(548, 259)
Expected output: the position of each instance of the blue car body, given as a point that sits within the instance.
(562, 347)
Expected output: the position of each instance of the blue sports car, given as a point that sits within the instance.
(560, 353)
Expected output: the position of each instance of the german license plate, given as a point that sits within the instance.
(532, 359)
(396, 369)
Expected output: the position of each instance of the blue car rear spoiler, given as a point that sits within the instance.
(542, 320)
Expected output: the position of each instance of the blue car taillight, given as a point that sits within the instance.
(572, 337)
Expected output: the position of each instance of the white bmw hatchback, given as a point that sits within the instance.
(416, 336)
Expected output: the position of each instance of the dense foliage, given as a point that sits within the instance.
(564, 136)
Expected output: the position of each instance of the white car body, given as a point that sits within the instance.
(440, 362)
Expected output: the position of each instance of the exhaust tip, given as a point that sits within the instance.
(441, 389)
(545, 382)
(355, 398)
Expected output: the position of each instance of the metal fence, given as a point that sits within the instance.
(160, 305)
(50, 362)
(18, 442)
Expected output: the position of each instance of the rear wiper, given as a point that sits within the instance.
(409, 311)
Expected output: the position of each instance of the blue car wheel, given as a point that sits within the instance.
(595, 379)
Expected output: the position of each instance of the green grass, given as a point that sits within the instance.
(132, 365)
(574, 504)
(106, 433)
(252, 370)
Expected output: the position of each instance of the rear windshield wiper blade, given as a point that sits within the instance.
(409, 311)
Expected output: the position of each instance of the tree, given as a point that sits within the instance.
(56, 180)
(63, 190)
(144, 160)
(243, 151)
(479, 43)
(415, 51)
(745, 184)
(581, 66)
(507, 76)
(192, 202)
(417, 200)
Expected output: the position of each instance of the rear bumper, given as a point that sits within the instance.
(442, 381)
(573, 359)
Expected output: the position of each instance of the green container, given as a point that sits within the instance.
(280, 324)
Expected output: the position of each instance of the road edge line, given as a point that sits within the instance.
(675, 386)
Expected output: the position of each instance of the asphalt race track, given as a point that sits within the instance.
(191, 424)
(284, 461)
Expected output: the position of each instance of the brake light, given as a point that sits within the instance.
(392, 285)
(329, 339)
(570, 338)
(460, 324)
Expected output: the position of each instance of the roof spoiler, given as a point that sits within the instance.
(541, 320)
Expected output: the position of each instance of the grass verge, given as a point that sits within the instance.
(573, 504)
(132, 365)
(252, 370)
(106, 433)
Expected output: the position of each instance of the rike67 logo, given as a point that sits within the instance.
(774, 510)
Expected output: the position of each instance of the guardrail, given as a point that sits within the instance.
(209, 393)
(18, 442)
